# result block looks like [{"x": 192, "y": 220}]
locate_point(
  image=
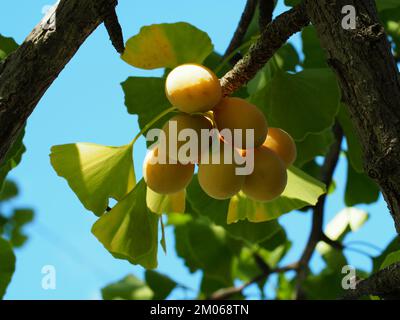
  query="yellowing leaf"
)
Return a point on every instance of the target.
[
  {"x": 160, "y": 203},
  {"x": 167, "y": 45},
  {"x": 95, "y": 172},
  {"x": 130, "y": 230},
  {"x": 301, "y": 190}
]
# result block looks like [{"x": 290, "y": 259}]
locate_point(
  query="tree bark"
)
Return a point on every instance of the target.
[
  {"x": 29, "y": 71},
  {"x": 368, "y": 76}
]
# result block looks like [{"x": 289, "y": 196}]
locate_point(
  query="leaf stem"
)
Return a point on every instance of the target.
[{"x": 152, "y": 122}]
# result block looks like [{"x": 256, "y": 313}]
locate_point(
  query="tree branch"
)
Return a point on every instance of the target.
[
  {"x": 385, "y": 283},
  {"x": 227, "y": 293},
  {"x": 317, "y": 233},
  {"x": 266, "y": 13},
  {"x": 242, "y": 27},
  {"x": 272, "y": 38},
  {"x": 114, "y": 30},
  {"x": 27, "y": 73},
  {"x": 363, "y": 62}
]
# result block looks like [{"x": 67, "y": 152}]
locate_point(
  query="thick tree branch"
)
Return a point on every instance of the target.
[
  {"x": 242, "y": 27},
  {"x": 317, "y": 233},
  {"x": 368, "y": 76},
  {"x": 272, "y": 38},
  {"x": 29, "y": 71},
  {"x": 385, "y": 284}
]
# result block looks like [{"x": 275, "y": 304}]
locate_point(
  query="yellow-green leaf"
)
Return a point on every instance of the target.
[
  {"x": 161, "y": 203},
  {"x": 167, "y": 45},
  {"x": 130, "y": 230},
  {"x": 301, "y": 190},
  {"x": 94, "y": 172}
]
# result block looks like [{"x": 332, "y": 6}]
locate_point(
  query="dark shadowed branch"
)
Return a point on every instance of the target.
[
  {"x": 272, "y": 38},
  {"x": 242, "y": 27},
  {"x": 317, "y": 234}
]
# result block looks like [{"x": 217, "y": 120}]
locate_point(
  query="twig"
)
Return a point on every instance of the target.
[
  {"x": 317, "y": 234},
  {"x": 242, "y": 27},
  {"x": 266, "y": 12},
  {"x": 272, "y": 38},
  {"x": 226, "y": 293},
  {"x": 384, "y": 283},
  {"x": 114, "y": 30}
]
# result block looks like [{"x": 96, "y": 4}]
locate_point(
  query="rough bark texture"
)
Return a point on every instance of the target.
[
  {"x": 385, "y": 284},
  {"x": 272, "y": 38},
  {"x": 368, "y": 76},
  {"x": 28, "y": 72}
]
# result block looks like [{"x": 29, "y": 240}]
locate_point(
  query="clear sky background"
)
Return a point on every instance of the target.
[{"x": 86, "y": 104}]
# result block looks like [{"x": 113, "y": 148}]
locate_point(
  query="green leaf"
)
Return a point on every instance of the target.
[
  {"x": 94, "y": 172},
  {"x": 347, "y": 220},
  {"x": 310, "y": 92},
  {"x": 20, "y": 218},
  {"x": 285, "y": 288},
  {"x": 160, "y": 284},
  {"x": 325, "y": 286},
  {"x": 393, "y": 246},
  {"x": 314, "y": 56},
  {"x": 391, "y": 258},
  {"x": 146, "y": 98},
  {"x": 7, "y": 265},
  {"x": 10, "y": 190},
  {"x": 216, "y": 211},
  {"x": 312, "y": 146},
  {"x": 292, "y": 3},
  {"x": 7, "y": 45},
  {"x": 130, "y": 231},
  {"x": 360, "y": 188},
  {"x": 387, "y": 4},
  {"x": 129, "y": 288},
  {"x": 302, "y": 190},
  {"x": 161, "y": 203},
  {"x": 167, "y": 45},
  {"x": 354, "y": 152},
  {"x": 12, "y": 159},
  {"x": 206, "y": 246}
]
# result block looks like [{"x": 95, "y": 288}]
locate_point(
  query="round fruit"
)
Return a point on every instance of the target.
[
  {"x": 166, "y": 178},
  {"x": 236, "y": 113},
  {"x": 193, "y": 88},
  {"x": 219, "y": 180},
  {"x": 184, "y": 121},
  {"x": 282, "y": 144},
  {"x": 269, "y": 177}
]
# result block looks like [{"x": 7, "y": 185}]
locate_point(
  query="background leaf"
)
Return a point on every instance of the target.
[
  {"x": 310, "y": 92},
  {"x": 7, "y": 265},
  {"x": 128, "y": 288}
]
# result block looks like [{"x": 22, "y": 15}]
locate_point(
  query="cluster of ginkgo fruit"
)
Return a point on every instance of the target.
[{"x": 196, "y": 92}]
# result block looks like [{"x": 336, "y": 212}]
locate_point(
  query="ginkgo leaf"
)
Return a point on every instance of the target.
[
  {"x": 130, "y": 230},
  {"x": 311, "y": 98},
  {"x": 161, "y": 203},
  {"x": 391, "y": 258},
  {"x": 7, "y": 265},
  {"x": 128, "y": 288},
  {"x": 94, "y": 172},
  {"x": 167, "y": 45},
  {"x": 302, "y": 190}
]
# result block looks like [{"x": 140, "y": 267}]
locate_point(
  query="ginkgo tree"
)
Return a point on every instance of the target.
[{"x": 312, "y": 92}]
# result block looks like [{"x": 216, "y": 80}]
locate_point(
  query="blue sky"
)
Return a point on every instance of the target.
[{"x": 86, "y": 104}]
